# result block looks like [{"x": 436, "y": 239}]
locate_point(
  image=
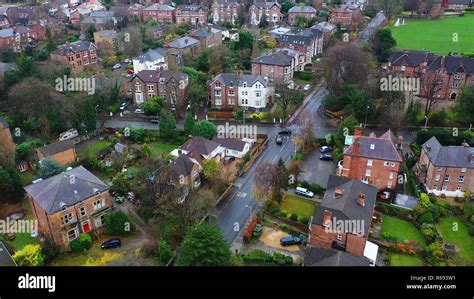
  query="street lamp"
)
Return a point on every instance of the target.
[
  {"x": 250, "y": 210},
  {"x": 426, "y": 122}
]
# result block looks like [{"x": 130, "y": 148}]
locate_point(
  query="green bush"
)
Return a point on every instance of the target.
[
  {"x": 30, "y": 255},
  {"x": 304, "y": 75},
  {"x": 294, "y": 217},
  {"x": 426, "y": 218},
  {"x": 81, "y": 244},
  {"x": 117, "y": 224}
]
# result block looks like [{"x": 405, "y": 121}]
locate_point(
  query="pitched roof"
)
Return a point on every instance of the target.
[
  {"x": 228, "y": 78},
  {"x": 191, "y": 7},
  {"x": 65, "y": 189},
  {"x": 75, "y": 47},
  {"x": 345, "y": 206},
  {"x": 316, "y": 256},
  {"x": 8, "y": 32},
  {"x": 452, "y": 64},
  {"x": 448, "y": 156},
  {"x": 266, "y": 4},
  {"x": 183, "y": 165},
  {"x": 302, "y": 9},
  {"x": 183, "y": 42},
  {"x": 230, "y": 143},
  {"x": 410, "y": 58},
  {"x": 197, "y": 147},
  {"x": 294, "y": 39},
  {"x": 154, "y": 76},
  {"x": 274, "y": 58},
  {"x": 57, "y": 147},
  {"x": 6, "y": 259},
  {"x": 157, "y": 6},
  {"x": 206, "y": 31},
  {"x": 151, "y": 55},
  {"x": 4, "y": 123},
  {"x": 381, "y": 148}
]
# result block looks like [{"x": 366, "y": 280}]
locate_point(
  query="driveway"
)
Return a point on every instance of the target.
[
  {"x": 315, "y": 170},
  {"x": 145, "y": 236}
]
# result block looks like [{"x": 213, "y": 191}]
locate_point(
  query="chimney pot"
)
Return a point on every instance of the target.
[
  {"x": 361, "y": 199},
  {"x": 338, "y": 193},
  {"x": 357, "y": 132},
  {"x": 327, "y": 218}
]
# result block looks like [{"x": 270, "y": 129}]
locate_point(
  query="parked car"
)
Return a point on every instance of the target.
[
  {"x": 112, "y": 243},
  {"x": 279, "y": 140},
  {"x": 229, "y": 159},
  {"x": 304, "y": 192},
  {"x": 139, "y": 111},
  {"x": 71, "y": 133},
  {"x": 110, "y": 130},
  {"x": 116, "y": 66},
  {"x": 325, "y": 149},
  {"x": 130, "y": 72},
  {"x": 384, "y": 195},
  {"x": 127, "y": 61},
  {"x": 326, "y": 157},
  {"x": 123, "y": 106},
  {"x": 409, "y": 155},
  {"x": 285, "y": 131},
  {"x": 119, "y": 199},
  {"x": 290, "y": 240},
  {"x": 306, "y": 87},
  {"x": 154, "y": 121}
]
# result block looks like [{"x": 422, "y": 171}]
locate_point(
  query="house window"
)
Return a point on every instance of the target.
[
  {"x": 464, "y": 169},
  {"x": 258, "y": 94},
  {"x": 231, "y": 101},
  {"x": 392, "y": 164},
  {"x": 245, "y": 84},
  {"x": 99, "y": 221},
  {"x": 446, "y": 178},
  {"x": 218, "y": 84},
  {"x": 368, "y": 172},
  {"x": 72, "y": 234},
  {"x": 403, "y": 68},
  {"x": 390, "y": 175},
  {"x": 218, "y": 100},
  {"x": 98, "y": 204},
  {"x": 231, "y": 92},
  {"x": 82, "y": 211},
  {"x": 66, "y": 219},
  {"x": 435, "y": 186},
  {"x": 258, "y": 86},
  {"x": 444, "y": 188},
  {"x": 151, "y": 87},
  {"x": 386, "y": 163},
  {"x": 461, "y": 179},
  {"x": 437, "y": 177},
  {"x": 458, "y": 188},
  {"x": 339, "y": 237},
  {"x": 439, "y": 169},
  {"x": 369, "y": 162}
]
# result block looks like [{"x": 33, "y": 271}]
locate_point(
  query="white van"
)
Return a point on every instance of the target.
[
  {"x": 71, "y": 133},
  {"x": 304, "y": 192}
]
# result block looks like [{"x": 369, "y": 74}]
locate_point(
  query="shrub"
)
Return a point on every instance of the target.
[
  {"x": 426, "y": 218},
  {"x": 165, "y": 253},
  {"x": 294, "y": 217},
  {"x": 50, "y": 250},
  {"x": 117, "y": 224},
  {"x": 81, "y": 244},
  {"x": 30, "y": 255},
  {"x": 471, "y": 231},
  {"x": 472, "y": 219}
]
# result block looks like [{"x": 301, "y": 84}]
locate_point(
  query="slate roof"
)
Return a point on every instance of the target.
[
  {"x": 448, "y": 156},
  {"x": 266, "y": 4},
  {"x": 204, "y": 32},
  {"x": 75, "y": 47},
  {"x": 6, "y": 259},
  {"x": 293, "y": 39},
  {"x": 309, "y": 32},
  {"x": 153, "y": 76},
  {"x": 452, "y": 64},
  {"x": 381, "y": 148},
  {"x": 225, "y": 3},
  {"x": 197, "y": 147},
  {"x": 230, "y": 143},
  {"x": 57, "y": 147},
  {"x": 67, "y": 188},
  {"x": 227, "y": 78},
  {"x": 302, "y": 9},
  {"x": 107, "y": 33},
  {"x": 410, "y": 58},
  {"x": 316, "y": 256},
  {"x": 152, "y": 55},
  {"x": 274, "y": 58},
  {"x": 183, "y": 42},
  {"x": 6, "y": 32},
  {"x": 182, "y": 165},
  {"x": 4, "y": 123},
  {"x": 345, "y": 207},
  {"x": 191, "y": 7},
  {"x": 160, "y": 7}
]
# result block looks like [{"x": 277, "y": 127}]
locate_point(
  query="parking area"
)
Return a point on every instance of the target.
[{"x": 315, "y": 170}]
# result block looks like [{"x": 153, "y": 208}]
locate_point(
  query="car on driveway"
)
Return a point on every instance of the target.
[
  {"x": 304, "y": 192},
  {"x": 325, "y": 157},
  {"x": 306, "y": 87},
  {"x": 123, "y": 106},
  {"x": 285, "y": 131},
  {"x": 325, "y": 149},
  {"x": 279, "y": 140},
  {"x": 384, "y": 195},
  {"x": 228, "y": 159},
  {"x": 117, "y": 66},
  {"x": 139, "y": 111},
  {"x": 290, "y": 240},
  {"x": 112, "y": 243}
]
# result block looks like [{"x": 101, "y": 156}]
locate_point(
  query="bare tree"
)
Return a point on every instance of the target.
[
  {"x": 393, "y": 104},
  {"x": 295, "y": 169},
  {"x": 304, "y": 137},
  {"x": 430, "y": 87},
  {"x": 269, "y": 179}
]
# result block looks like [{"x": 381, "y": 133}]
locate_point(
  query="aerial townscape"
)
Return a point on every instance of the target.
[{"x": 302, "y": 133}]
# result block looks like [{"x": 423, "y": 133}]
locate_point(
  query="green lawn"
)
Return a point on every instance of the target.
[
  {"x": 297, "y": 205},
  {"x": 397, "y": 259},
  {"x": 460, "y": 237},
  {"x": 97, "y": 147},
  {"x": 402, "y": 230},
  {"x": 436, "y": 35},
  {"x": 21, "y": 240},
  {"x": 162, "y": 147}
]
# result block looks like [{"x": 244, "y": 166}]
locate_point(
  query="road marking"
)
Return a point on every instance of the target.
[{"x": 242, "y": 194}]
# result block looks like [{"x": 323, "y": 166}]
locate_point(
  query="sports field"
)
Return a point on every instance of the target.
[{"x": 437, "y": 36}]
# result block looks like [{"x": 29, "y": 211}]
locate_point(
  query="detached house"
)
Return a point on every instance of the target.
[
  {"x": 279, "y": 64},
  {"x": 192, "y": 14},
  {"x": 308, "y": 41},
  {"x": 171, "y": 86},
  {"x": 160, "y": 13},
  {"x": 182, "y": 171},
  {"x": 271, "y": 10},
  {"x": 184, "y": 44},
  {"x": 372, "y": 160},
  {"x": 77, "y": 54},
  {"x": 68, "y": 204},
  {"x": 155, "y": 59},
  {"x": 410, "y": 63},
  {"x": 232, "y": 90},
  {"x": 307, "y": 12},
  {"x": 63, "y": 151},
  {"x": 225, "y": 11},
  {"x": 446, "y": 170},
  {"x": 208, "y": 36},
  {"x": 347, "y": 16},
  {"x": 199, "y": 149},
  {"x": 343, "y": 218},
  {"x": 107, "y": 40}
]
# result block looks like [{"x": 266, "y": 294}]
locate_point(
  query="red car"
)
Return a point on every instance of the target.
[
  {"x": 384, "y": 195},
  {"x": 130, "y": 72}
]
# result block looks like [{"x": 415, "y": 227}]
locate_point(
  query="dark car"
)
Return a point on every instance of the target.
[
  {"x": 285, "y": 131},
  {"x": 409, "y": 155},
  {"x": 110, "y": 130},
  {"x": 287, "y": 241},
  {"x": 326, "y": 157},
  {"x": 279, "y": 140},
  {"x": 112, "y": 243},
  {"x": 325, "y": 149}
]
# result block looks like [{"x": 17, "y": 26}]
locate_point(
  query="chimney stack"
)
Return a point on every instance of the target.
[
  {"x": 327, "y": 218},
  {"x": 68, "y": 44},
  {"x": 465, "y": 144},
  {"x": 471, "y": 157},
  {"x": 357, "y": 132},
  {"x": 361, "y": 199},
  {"x": 338, "y": 193}
]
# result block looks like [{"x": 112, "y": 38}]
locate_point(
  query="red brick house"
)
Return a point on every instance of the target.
[
  {"x": 135, "y": 11},
  {"x": 343, "y": 218},
  {"x": 410, "y": 63},
  {"x": 192, "y": 14},
  {"x": 373, "y": 160},
  {"x": 170, "y": 85},
  {"x": 68, "y": 204},
  {"x": 446, "y": 170},
  {"x": 309, "y": 41},
  {"x": 279, "y": 64},
  {"x": 345, "y": 16},
  {"x": 307, "y": 12},
  {"x": 6, "y": 139},
  {"x": 225, "y": 11},
  {"x": 208, "y": 36},
  {"x": 270, "y": 9},
  {"x": 160, "y": 13},
  {"x": 18, "y": 38},
  {"x": 78, "y": 54}
]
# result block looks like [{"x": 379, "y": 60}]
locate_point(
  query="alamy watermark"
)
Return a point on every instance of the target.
[
  {"x": 75, "y": 84},
  {"x": 12, "y": 226},
  {"x": 237, "y": 131},
  {"x": 340, "y": 226},
  {"x": 391, "y": 83}
]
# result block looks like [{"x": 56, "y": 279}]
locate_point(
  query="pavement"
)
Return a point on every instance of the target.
[{"x": 315, "y": 170}]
